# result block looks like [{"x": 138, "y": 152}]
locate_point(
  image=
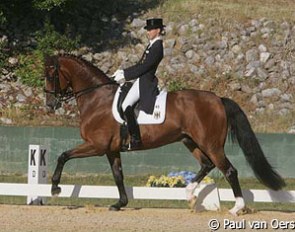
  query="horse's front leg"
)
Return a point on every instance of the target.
[
  {"x": 115, "y": 162},
  {"x": 62, "y": 159},
  {"x": 84, "y": 150}
]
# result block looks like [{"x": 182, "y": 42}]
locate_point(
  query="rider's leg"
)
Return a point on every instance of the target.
[
  {"x": 133, "y": 128},
  {"x": 132, "y": 96}
]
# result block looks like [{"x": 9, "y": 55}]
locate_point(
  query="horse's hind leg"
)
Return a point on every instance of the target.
[
  {"x": 205, "y": 162},
  {"x": 115, "y": 162},
  {"x": 206, "y": 166},
  {"x": 231, "y": 175}
]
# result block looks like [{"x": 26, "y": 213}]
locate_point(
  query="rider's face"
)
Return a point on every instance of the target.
[{"x": 153, "y": 33}]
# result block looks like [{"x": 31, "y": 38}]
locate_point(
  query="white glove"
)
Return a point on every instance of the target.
[
  {"x": 119, "y": 76},
  {"x": 117, "y": 72}
]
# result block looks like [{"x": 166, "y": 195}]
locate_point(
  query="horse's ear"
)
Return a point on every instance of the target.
[
  {"x": 46, "y": 58},
  {"x": 49, "y": 60}
]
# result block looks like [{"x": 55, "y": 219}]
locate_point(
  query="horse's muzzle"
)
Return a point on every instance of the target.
[{"x": 52, "y": 103}]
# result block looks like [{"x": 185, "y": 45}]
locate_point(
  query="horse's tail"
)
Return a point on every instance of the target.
[{"x": 241, "y": 130}]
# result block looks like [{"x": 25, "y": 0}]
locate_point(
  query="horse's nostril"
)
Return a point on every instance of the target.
[
  {"x": 52, "y": 103},
  {"x": 57, "y": 105}
]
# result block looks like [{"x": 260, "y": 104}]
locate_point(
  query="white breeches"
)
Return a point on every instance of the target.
[{"x": 132, "y": 96}]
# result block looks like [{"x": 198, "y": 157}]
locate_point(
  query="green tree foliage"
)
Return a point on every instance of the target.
[
  {"x": 48, "y": 4},
  {"x": 30, "y": 69},
  {"x": 3, "y": 54},
  {"x": 2, "y": 17},
  {"x": 49, "y": 40}
]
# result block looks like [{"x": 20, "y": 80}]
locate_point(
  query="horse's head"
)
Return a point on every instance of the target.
[
  {"x": 57, "y": 86},
  {"x": 70, "y": 77}
]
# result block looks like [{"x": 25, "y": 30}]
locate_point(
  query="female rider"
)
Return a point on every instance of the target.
[{"x": 145, "y": 86}]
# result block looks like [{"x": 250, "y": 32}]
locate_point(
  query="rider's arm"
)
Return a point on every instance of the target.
[{"x": 151, "y": 62}]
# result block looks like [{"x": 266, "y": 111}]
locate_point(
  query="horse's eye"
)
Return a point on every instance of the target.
[{"x": 50, "y": 74}]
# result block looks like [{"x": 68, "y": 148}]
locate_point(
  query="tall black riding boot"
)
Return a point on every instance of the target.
[{"x": 133, "y": 128}]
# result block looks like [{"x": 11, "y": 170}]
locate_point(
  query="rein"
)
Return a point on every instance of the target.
[
  {"x": 92, "y": 88},
  {"x": 68, "y": 95}
]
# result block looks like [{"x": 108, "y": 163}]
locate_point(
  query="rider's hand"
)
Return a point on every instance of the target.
[
  {"x": 117, "y": 72},
  {"x": 119, "y": 76}
]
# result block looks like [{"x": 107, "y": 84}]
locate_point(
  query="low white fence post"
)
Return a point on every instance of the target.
[{"x": 37, "y": 170}]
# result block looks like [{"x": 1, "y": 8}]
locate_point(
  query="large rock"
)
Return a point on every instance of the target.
[{"x": 271, "y": 92}]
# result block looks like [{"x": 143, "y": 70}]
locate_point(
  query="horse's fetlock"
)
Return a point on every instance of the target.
[
  {"x": 231, "y": 171},
  {"x": 55, "y": 180},
  {"x": 63, "y": 158}
]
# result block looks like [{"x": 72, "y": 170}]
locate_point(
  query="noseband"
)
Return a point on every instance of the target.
[
  {"x": 60, "y": 94},
  {"x": 66, "y": 94}
]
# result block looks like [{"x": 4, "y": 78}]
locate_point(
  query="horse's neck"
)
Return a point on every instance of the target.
[{"x": 82, "y": 78}]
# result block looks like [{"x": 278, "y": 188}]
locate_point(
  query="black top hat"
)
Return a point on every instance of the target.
[{"x": 154, "y": 23}]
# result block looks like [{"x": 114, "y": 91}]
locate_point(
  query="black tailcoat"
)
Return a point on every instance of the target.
[{"x": 145, "y": 70}]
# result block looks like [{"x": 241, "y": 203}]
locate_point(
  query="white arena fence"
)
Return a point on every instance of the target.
[{"x": 208, "y": 195}]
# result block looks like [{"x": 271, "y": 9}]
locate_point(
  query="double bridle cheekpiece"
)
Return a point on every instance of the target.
[{"x": 67, "y": 94}]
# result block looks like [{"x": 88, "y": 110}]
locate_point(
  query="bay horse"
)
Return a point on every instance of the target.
[{"x": 200, "y": 119}]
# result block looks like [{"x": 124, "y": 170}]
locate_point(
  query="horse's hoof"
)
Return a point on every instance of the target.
[
  {"x": 189, "y": 190},
  {"x": 118, "y": 205},
  {"x": 55, "y": 191},
  {"x": 192, "y": 204},
  {"x": 114, "y": 208}
]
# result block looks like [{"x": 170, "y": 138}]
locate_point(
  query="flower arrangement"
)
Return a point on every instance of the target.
[
  {"x": 175, "y": 179},
  {"x": 208, "y": 180},
  {"x": 189, "y": 176},
  {"x": 166, "y": 181}
]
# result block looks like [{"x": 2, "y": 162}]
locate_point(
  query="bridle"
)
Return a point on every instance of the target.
[{"x": 67, "y": 94}]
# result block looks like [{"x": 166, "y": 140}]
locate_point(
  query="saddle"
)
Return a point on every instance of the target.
[{"x": 159, "y": 113}]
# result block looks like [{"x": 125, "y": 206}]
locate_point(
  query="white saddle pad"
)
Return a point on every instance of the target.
[{"x": 157, "y": 117}]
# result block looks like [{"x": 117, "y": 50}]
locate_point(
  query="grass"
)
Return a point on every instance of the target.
[
  {"x": 246, "y": 183},
  {"x": 227, "y": 10},
  {"x": 267, "y": 123},
  {"x": 29, "y": 115},
  {"x": 261, "y": 123}
]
